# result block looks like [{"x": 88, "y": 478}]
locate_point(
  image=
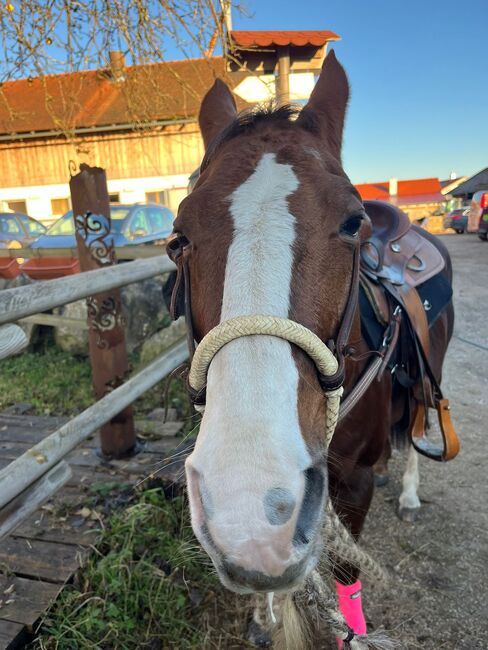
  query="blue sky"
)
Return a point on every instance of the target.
[{"x": 418, "y": 71}]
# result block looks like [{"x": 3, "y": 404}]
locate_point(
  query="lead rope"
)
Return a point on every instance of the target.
[{"x": 339, "y": 541}]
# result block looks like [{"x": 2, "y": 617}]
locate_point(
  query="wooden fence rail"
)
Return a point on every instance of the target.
[
  {"x": 12, "y": 340},
  {"x": 24, "y": 301},
  {"x": 30, "y": 499},
  {"x": 123, "y": 252}
]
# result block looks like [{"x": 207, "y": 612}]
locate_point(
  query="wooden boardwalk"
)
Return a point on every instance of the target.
[{"x": 43, "y": 553}]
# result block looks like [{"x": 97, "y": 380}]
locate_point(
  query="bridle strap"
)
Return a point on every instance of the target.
[
  {"x": 339, "y": 347},
  {"x": 178, "y": 251}
]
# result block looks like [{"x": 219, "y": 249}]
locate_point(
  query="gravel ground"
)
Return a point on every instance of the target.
[{"x": 437, "y": 595}]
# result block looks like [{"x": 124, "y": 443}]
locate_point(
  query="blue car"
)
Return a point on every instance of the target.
[{"x": 131, "y": 225}]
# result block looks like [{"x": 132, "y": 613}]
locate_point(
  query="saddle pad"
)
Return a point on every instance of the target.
[{"x": 435, "y": 293}]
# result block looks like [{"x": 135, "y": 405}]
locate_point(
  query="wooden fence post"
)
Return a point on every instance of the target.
[{"x": 106, "y": 337}]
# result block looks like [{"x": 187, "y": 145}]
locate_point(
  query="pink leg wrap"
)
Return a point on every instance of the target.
[{"x": 351, "y": 607}]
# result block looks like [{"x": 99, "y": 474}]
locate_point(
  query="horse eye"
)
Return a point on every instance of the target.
[{"x": 351, "y": 226}]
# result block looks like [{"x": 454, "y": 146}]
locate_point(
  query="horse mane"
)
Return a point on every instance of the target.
[{"x": 267, "y": 113}]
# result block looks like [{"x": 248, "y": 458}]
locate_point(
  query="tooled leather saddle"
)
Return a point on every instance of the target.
[{"x": 401, "y": 271}]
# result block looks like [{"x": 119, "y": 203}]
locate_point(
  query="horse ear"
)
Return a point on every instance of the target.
[
  {"x": 218, "y": 109},
  {"x": 328, "y": 103}
]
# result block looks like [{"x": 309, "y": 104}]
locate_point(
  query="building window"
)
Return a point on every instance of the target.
[
  {"x": 60, "y": 207},
  {"x": 160, "y": 197},
  {"x": 17, "y": 206},
  {"x": 114, "y": 197}
]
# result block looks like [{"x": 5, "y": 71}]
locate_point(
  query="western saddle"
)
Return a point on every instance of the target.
[{"x": 396, "y": 259}]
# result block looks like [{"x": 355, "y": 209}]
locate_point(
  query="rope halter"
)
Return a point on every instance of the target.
[{"x": 283, "y": 328}]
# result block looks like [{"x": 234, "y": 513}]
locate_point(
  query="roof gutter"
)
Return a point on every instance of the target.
[{"x": 94, "y": 129}]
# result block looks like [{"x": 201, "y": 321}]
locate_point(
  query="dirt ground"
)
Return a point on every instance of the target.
[{"x": 439, "y": 565}]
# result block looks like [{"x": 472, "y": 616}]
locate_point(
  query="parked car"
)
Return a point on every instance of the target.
[
  {"x": 131, "y": 225},
  {"x": 478, "y": 214},
  {"x": 18, "y": 230},
  {"x": 457, "y": 220}
]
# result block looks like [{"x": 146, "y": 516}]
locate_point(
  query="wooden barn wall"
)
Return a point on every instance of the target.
[{"x": 171, "y": 150}]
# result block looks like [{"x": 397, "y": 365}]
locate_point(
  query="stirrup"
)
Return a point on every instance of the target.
[{"x": 425, "y": 446}]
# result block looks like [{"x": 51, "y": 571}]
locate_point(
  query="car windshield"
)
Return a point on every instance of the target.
[{"x": 65, "y": 225}]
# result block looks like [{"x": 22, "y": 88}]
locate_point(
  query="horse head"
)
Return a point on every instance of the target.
[{"x": 274, "y": 223}]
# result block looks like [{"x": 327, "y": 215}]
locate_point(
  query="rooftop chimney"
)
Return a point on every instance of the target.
[
  {"x": 453, "y": 176},
  {"x": 393, "y": 186},
  {"x": 117, "y": 65}
]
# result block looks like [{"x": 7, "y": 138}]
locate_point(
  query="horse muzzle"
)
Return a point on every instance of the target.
[{"x": 269, "y": 543}]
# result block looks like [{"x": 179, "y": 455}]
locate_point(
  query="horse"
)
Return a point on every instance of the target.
[{"x": 272, "y": 228}]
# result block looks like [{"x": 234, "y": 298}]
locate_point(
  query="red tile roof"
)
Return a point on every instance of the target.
[
  {"x": 373, "y": 191},
  {"x": 154, "y": 92},
  {"x": 419, "y": 186},
  {"x": 421, "y": 190},
  {"x": 267, "y": 38}
]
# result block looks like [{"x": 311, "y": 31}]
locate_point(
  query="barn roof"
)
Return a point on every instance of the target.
[
  {"x": 317, "y": 38},
  {"x": 419, "y": 190},
  {"x": 94, "y": 98}
]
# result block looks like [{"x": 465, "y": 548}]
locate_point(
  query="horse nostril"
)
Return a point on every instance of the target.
[
  {"x": 279, "y": 504},
  {"x": 312, "y": 504},
  {"x": 199, "y": 491}
]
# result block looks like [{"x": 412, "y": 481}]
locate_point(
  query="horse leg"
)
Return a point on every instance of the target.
[
  {"x": 380, "y": 468},
  {"x": 409, "y": 502},
  {"x": 351, "y": 501}
]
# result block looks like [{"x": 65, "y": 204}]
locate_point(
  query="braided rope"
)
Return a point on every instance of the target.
[
  {"x": 341, "y": 543},
  {"x": 282, "y": 328},
  {"x": 250, "y": 326}
]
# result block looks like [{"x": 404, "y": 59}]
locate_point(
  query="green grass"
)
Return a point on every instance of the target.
[
  {"x": 138, "y": 589},
  {"x": 54, "y": 382}
]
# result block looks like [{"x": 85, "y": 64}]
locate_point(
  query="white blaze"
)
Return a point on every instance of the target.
[{"x": 250, "y": 440}]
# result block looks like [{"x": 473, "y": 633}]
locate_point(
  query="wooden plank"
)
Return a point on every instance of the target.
[
  {"x": 9, "y": 632},
  {"x": 28, "y": 428},
  {"x": 12, "y": 450},
  {"x": 84, "y": 477},
  {"x": 131, "y": 154},
  {"x": 134, "y": 252},
  {"x": 39, "y": 559},
  {"x": 18, "y": 302},
  {"x": 29, "y": 599},
  {"x": 46, "y": 526},
  {"x": 12, "y": 340},
  {"x": 36, "y": 461},
  {"x": 55, "y": 321},
  {"x": 31, "y": 253},
  {"x": 33, "y": 497}
]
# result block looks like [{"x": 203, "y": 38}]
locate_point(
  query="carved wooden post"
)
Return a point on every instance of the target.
[{"x": 108, "y": 353}]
